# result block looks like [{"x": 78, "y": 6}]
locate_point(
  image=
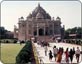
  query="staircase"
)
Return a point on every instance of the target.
[{"x": 45, "y": 38}]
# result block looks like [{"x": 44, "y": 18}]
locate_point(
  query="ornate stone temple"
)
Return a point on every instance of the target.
[{"x": 38, "y": 24}]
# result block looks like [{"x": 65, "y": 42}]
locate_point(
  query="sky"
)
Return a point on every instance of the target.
[{"x": 68, "y": 11}]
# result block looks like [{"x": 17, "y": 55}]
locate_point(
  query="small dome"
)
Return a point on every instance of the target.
[
  {"x": 39, "y": 16},
  {"x": 21, "y": 17},
  {"x": 58, "y": 18}
]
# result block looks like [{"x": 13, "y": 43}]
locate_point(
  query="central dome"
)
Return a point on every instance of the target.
[{"x": 39, "y": 12}]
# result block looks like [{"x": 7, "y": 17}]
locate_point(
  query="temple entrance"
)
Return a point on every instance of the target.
[{"x": 41, "y": 32}]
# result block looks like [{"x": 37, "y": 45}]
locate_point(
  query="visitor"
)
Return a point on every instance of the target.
[
  {"x": 71, "y": 55},
  {"x": 46, "y": 49},
  {"x": 38, "y": 42},
  {"x": 77, "y": 53},
  {"x": 62, "y": 50},
  {"x": 59, "y": 56},
  {"x": 73, "y": 50},
  {"x": 67, "y": 56},
  {"x": 42, "y": 42},
  {"x": 55, "y": 51},
  {"x": 50, "y": 55}
]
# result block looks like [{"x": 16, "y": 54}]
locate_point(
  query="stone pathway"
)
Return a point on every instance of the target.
[{"x": 45, "y": 59}]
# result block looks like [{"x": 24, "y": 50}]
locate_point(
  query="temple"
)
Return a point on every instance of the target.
[{"x": 38, "y": 24}]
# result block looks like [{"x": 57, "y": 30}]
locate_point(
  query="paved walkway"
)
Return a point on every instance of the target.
[{"x": 45, "y": 59}]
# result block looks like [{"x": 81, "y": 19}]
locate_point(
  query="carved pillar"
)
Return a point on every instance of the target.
[{"x": 37, "y": 30}]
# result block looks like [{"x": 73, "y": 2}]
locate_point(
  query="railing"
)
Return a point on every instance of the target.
[
  {"x": 38, "y": 59},
  {"x": 35, "y": 54}
]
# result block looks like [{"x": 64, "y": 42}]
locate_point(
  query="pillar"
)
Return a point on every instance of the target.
[
  {"x": 37, "y": 30},
  {"x": 44, "y": 31}
]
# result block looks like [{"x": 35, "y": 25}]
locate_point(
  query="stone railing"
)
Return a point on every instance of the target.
[
  {"x": 38, "y": 59},
  {"x": 35, "y": 54}
]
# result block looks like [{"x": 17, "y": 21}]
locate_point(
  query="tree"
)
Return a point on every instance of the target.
[
  {"x": 4, "y": 33},
  {"x": 75, "y": 30}
]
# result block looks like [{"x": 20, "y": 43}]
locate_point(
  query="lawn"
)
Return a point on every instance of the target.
[{"x": 9, "y": 52}]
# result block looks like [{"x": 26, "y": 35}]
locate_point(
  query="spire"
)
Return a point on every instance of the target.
[{"x": 38, "y": 4}]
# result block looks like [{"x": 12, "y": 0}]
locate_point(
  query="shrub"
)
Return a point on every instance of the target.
[
  {"x": 22, "y": 42},
  {"x": 7, "y": 41},
  {"x": 0, "y": 41},
  {"x": 25, "y": 55},
  {"x": 15, "y": 41}
]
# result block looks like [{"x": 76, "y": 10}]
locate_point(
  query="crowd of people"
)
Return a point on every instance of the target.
[
  {"x": 57, "y": 53},
  {"x": 69, "y": 54}
]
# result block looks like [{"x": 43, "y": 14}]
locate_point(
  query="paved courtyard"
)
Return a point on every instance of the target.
[{"x": 45, "y": 59}]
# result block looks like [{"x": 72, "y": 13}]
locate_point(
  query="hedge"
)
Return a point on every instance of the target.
[{"x": 26, "y": 54}]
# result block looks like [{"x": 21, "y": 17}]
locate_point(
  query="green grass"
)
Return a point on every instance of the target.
[{"x": 9, "y": 52}]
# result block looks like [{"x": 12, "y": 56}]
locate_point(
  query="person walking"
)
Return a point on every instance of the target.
[
  {"x": 77, "y": 53},
  {"x": 59, "y": 56},
  {"x": 67, "y": 56},
  {"x": 46, "y": 49},
  {"x": 71, "y": 55},
  {"x": 62, "y": 50},
  {"x": 50, "y": 55},
  {"x": 73, "y": 50},
  {"x": 55, "y": 51}
]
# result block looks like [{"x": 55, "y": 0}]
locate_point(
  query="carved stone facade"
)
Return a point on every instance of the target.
[{"x": 38, "y": 24}]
